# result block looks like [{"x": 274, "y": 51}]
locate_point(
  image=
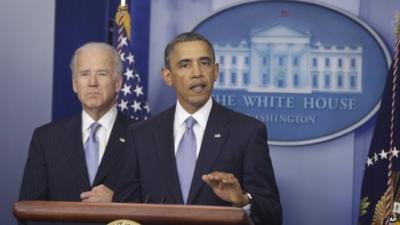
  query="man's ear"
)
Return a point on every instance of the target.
[
  {"x": 118, "y": 83},
  {"x": 216, "y": 72},
  {"x": 167, "y": 76},
  {"x": 74, "y": 85}
]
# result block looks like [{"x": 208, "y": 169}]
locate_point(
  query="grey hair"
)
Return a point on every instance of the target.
[
  {"x": 185, "y": 37},
  {"x": 117, "y": 63}
]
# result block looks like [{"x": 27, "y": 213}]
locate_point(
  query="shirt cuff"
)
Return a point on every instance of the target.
[{"x": 246, "y": 209}]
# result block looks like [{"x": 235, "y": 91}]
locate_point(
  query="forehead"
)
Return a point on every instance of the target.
[
  {"x": 190, "y": 50},
  {"x": 96, "y": 57}
]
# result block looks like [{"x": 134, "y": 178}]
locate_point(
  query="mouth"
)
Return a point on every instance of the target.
[
  {"x": 92, "y": 93},
  {"x": 198, "y": 88}
]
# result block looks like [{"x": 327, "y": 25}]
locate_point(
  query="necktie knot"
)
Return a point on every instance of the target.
[
  {"x": 190, "y": 122},
  {"x": 93, "y": 129}
]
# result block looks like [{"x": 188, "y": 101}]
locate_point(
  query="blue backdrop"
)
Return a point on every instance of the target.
[{"x": 319, "y": 184}]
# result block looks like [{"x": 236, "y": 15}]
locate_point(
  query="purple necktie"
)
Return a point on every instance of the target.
[
  {"x": 92, "y": 152},
  {"x": 186, "y": 157}
]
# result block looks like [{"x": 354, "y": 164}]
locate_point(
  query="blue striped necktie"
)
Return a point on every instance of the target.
[{"x": 92, "y": 152}]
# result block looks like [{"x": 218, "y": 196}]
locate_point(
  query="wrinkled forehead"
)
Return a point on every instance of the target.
[
  {"x": 191, "y": 50},
  {"x": 96, "y": 58}
]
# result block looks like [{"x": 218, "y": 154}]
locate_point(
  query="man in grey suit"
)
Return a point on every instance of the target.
[
  {"x": 84, "y": 158},
  {"x": 198, "y": 151}
]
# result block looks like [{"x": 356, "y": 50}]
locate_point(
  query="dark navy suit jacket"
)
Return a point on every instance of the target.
[
  {"x": 56, "y": 167},
  {"x": 232, "y": 143}
]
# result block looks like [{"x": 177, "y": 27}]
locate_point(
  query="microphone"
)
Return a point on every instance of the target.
[
  {"x": 146, "y": 199},
  {"x": 162, "y": 199}
]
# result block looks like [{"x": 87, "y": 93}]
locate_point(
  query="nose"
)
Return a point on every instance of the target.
[
  {"x": 197, "y": 70},
  {"x": 93, "y": 80}
]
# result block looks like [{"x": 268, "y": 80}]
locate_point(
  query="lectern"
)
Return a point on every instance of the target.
[{"x": 145, "y": 214}]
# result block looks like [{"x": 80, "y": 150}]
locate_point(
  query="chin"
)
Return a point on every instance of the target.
[
  {"x": 93, "y": 105},
  {"x": 199, "y": 104}
]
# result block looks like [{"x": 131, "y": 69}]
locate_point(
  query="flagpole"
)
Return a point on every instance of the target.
[{"x": 389, "y": 194}]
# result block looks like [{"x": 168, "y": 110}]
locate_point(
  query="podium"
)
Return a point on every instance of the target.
[{"x": 145, "y": 214}]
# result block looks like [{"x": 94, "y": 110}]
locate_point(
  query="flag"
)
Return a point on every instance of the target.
[
  {"x": 131, "y": 99},
  {"x": 380, "y": 192}
]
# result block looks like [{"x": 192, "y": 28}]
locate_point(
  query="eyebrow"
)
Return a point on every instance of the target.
[
  {"x": 88, "y": 70},
  {"x": 84, "y": 71},
  {"x": 189, "y": 60},
  {"x": 206, "y": 58},
  {"x": 102, "y": 70},
  {"x": 183, "y": 61}
]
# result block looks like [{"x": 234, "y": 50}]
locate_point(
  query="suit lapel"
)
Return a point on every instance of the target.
[
  {"x": 73, "y": 149},
  {"x": 164, "y": 141},
  {"x": 214, "y": 137},
  {"x": 114, "y": 149}
]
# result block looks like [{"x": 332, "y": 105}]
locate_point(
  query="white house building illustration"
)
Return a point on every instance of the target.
[{"x": 281, "y": 59}]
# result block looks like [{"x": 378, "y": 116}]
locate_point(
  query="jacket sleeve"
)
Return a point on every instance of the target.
[
  {"x": 34, "y": 181},
  {"x": 259, "y": 180}
]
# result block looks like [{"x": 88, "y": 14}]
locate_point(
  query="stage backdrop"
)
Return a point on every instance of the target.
[{"x": 319, "y": 182}]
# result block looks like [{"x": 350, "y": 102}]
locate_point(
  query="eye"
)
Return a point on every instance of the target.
[
  {"x": 184, "y": 65},
  {"x": 102, "y": 73},
  {"x": 205, "y": 62},
  {"x": 84, "y": 74}
]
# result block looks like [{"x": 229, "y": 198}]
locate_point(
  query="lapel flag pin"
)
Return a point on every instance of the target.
[
  {"x": 122, "y": 140},
  {"x": 217, "y": 135}
]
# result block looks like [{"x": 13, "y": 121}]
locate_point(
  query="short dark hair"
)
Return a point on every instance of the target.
[{"x": 185, "y": 37}]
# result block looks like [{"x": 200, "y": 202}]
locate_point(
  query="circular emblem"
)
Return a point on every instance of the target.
[
  {"x": 309, "y": 71},
  {"x": 123, "y": 222}
]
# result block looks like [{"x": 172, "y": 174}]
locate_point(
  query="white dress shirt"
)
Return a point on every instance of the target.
[
  {"x": 201, "y": 117},
  {"x": 103, "y": 133}
]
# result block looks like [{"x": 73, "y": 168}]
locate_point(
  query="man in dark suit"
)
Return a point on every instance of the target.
[
  {"x": 59, "y": 165},
  {"x": 199, "y": 152}
]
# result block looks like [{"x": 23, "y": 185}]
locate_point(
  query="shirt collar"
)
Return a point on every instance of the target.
[
  {"x": 106, "y": 121},
  {"x": 201, "y": 115}
]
